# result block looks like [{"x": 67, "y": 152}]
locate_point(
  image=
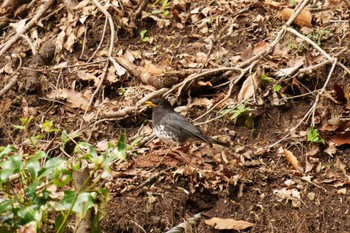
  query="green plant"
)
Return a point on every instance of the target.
[
  {"x": 277, "y": 87},
  {"x": 314, "y": 136},
  {"x": 266, "y": 79},
  {"x": 241, "y": 113},
  {"x": 319, "y": 35},
  {"x": 165, "y": 6},
  {"x": 34, "y": 186},
  {"x": 144, "y": 38}
]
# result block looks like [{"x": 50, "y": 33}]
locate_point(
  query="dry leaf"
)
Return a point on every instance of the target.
[
  {"x": 249, "y": 86},
  {"x": 86, "y": 76},
  {"x": 292, "y": 160},
  {"x": 228, "y": 224},
  {"x": 70, "y": 42},
  {"x": 289, "y": 194},
  {"x": 273, "y": 3},
  {"x": 341, "y": 139},
  {"x": 290, "y": 70},
  {"x": 303, "y": 19},
  {"x": 5, "y": 105},
  {"x": 260, "y": 47},
  {"x": 247, "y": 53},
  {"x": 203, "y": 102},
  {"x": 74, "y": 98},
  {"x": 331, "y": 150}
]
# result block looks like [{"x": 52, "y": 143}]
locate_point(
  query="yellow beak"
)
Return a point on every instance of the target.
[{"x": 151, "y": 103}]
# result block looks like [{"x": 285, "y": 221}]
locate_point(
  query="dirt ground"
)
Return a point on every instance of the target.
[{"x": 274, "y": 176}]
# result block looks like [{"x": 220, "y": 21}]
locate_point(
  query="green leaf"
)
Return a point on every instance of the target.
[
  {"x": 143, "y": 33},
  {"x": 59, "y": 221},
  {"x": 11, "y": 166},
  {"x": 122, "y": 146},
  {"x": 50, "y": 166},
  {"x": 313, "y": 136},
  {"x": 84, "y": 202},
  {"x": 103, "y": 197},
  {"x": 67, "y": 201},
  {"x": 5, "y": 205},
  {"x": 155, "y": 12},
  {"x": 266, "y": 79},
  {"x": 31, "y": 191},
  {"x": 20, "y": 127},
  {"x": 225, "y": 111},
  {"x": 134, "y": 143},
  {"x": 25, "y": 120},
  {"x": 91, "y": 151},
  {"x": 47, "y": 127},
  {"x": 27, "y": 214},
  {"x": 33, "y": 167},
  {"x": 62, "y": 177},
  {"x": 8, "y": 149},
  {"x": 5, "y": 174},
  {"x": 277, "y": 87},
  {"x": 166, "y": 13},
  {"x": 64, "y": 137}
]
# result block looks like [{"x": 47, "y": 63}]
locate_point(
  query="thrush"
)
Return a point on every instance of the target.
[{"x": 174, "y": 129}]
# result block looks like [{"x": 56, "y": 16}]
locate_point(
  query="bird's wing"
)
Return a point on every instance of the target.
[{"x": 180, "y": 122}]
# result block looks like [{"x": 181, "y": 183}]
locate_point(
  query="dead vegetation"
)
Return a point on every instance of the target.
[{"x": 271, "y": 77}]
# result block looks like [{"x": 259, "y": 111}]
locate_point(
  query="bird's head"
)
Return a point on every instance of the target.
[{"x": 159, "y": 102}]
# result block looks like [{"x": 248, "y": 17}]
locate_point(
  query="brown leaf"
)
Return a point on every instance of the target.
[
  {"x": 74, "y": 98},
  {"x": 273, "y": 3},
  {"x": 247, "y": 53},
  {"x": 331, "y": 150},
  {"x": 228, "y": 224},
  {"x": 292, "y": 160},
  {"x": 250, "y": 85},
  {"x": 5, "y": 105},
  {"x": 303, "y": 19},
  {"x": 347, "y": 95},
  {"x": 341, "y": 139}
]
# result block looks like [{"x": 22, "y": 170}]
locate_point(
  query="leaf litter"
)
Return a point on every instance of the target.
[{"x": 157, "y": 187}]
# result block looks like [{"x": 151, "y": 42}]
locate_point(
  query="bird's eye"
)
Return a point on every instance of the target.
[{"x": 160, "y": 104}]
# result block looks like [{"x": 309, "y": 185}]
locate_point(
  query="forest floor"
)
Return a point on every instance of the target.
[{"x": 279, "y": 95}]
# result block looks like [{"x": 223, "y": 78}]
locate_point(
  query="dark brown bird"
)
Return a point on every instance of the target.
[{"x": 174, "y": 129}]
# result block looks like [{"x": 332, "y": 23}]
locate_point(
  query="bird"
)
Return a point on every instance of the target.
[{"x": 174, "y": 129}]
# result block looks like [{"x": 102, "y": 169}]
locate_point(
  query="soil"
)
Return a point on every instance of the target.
[{"x": 159, "y": 187}]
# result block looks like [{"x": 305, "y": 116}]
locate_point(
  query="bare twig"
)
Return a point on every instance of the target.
[
  {"x": 110, "y": 50},
  {"x": 40, "y": 12},
  {"x": 9, "y": 85},
  {"x": 311, "y": 110},
  {"x": 141, "y": 7}
]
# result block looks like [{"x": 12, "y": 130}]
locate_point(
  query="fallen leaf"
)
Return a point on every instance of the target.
[
  {"x": 290, "y": 70},
  {"x": 347, "y": 95},
  {"x": 273, "y": 3},
  {"x": 292, "y": 160},
  {"x": 340, "y": 139},
  {"x": 250, "y": 86},
  {"x": 70, "y": 42},
  {"x": 289, "y": 194},
  {"x": 74, "y": 98},
  {"x": 203, "y": 102},
  {"x": 228, "y": 224},
  {"x": 331, "y": 150},
  {"x": 260, "y": 46},
  {"x": 247, "y": 53},
  {"x": 303, "y": 19},
  {"x": 5, "y": 105}
]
